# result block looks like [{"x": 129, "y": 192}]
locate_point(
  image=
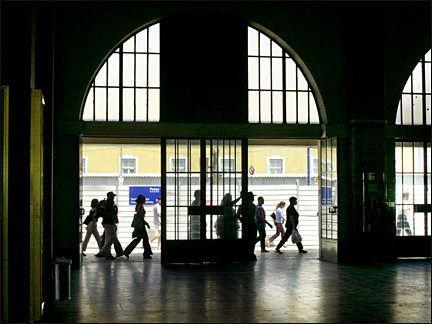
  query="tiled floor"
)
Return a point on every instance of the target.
[{"x": 283, "y": 288}]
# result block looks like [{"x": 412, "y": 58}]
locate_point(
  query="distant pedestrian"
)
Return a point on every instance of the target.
[
  {"x": 140, "y": 232},
  {"x": 278, "y": 222},
  {"x": 261, "y": 222},
  {"x": 157, "y": 210},
  {"x": 91, "y": 222},
  {"x": 291, "y": 224},
  {"x": 109, "y": 212},
  {"x": 249, "y": 227}
]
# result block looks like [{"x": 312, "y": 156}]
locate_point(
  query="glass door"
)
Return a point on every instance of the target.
[
  {"x": 329, "y": 199},
  {"x": 201, "y": 184}
]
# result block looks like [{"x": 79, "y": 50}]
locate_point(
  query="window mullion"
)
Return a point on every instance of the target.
[{"x": 121, "y": 83}]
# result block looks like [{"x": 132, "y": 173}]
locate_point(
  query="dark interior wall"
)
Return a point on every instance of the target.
[{"x": 15, "y": 40}]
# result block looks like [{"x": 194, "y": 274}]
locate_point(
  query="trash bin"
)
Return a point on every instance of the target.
[{"x": 62, "y": 278}]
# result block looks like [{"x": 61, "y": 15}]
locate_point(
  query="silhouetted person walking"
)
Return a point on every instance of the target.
[
  {"x": 249, "y": 228},
  {"x": 291, "y": 224},
  {"x": 261, "y": 223}
]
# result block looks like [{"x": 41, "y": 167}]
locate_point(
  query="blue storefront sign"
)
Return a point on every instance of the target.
[
  {"x": 150, "y": 192},
  {"x": 326, "y": 195}
]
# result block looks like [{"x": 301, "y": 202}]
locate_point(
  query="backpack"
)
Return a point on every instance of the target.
[{"x": 98, "y": 207}]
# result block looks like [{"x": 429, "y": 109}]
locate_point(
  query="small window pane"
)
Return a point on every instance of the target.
[
  {"x": 101, "y": 76},
  {"x": 265, "y": 106},
  {"x": 428, "y": 77},
  {"x": 428, "y": 109},
  {"x": 154, "y": 104},
  {"x": 291, "y": 111},
  {"x": 418, "y": 110},
  {"x": 154, "y": 70},
  {"x": 302, "y": 83},
  {"x": 129, "y": 46},
  {"x": 398, "y": 114},
  {"x": 264, "y": 45},
  {"x": 128, "y": 70},
  {"x": 113, "y": 70},
  {"x": 88, "y": 108},
  {"x": 417, "y": 78},
  {"x": 253, "y": 107},
  {"x": 407, "y": 88},
  {"x": 154, "y": 39},
  {"x": 277, "y": 74},
  {"x": 100, "y": 104},
  {"x": 252, "y": 41},
  {"x": 141, "y": 41},
  {"x": 303, "y": 107},
  {"x": 276, "y": 50},
  {"x": 128, "y": 104},
  {"x": 291, "y": 77},
  {"x": 277, "y": 107},
  {"x": 141, "y": 104},
  {"x": 265, "y": 74},
  {"x": 428, "y": 56},
  {"x": 253, "y": 77},
  {"x": 398, "y": 157},
  {"x": 314, "y": 117},
  {"x": 406, "y": 109},
  {"x": 113, "y": 104},
  {"x": 418, "y": 157},
  {"x": 141, "y": 70}
]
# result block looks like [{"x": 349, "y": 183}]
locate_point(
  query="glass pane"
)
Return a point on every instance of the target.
[
  {"x": 113, "y": 70},
  {"x": 407, "y": 157},
  {"x": 128, "y": 104},
  {"x": 100, "y": 79},
  {"x": 302, "y": 83},
  {"x": 253, "y": 76},
  {"x": 428, "y": 109},
  {"x": 252, "y": 41},
  {"x": 303, "y": 107},
  {"x": 276, "y": 49},
  {"x": 88, "y": 108},
  {"x": 407, "y": 88},
  {"x": 291, "y": 76},
  {"x": 428, "y": 217},
  {"x": 129, "y": 46},
  {"x": 428, "y": 56},
  {"x": 277, "y": 107},
  {"x": 398, "y": 114},
  {"x": 154, "y": 105},
  {"x": 314, "y": 117},
  {"x": 428, "y": 77},
  {"x": 154, "y": 40},
  {"x": 265, "y": 105},
  {"x": 406, "y": 110},
  {"x": 418, "y": 157},
  {"x": 141, "y": 70},
  {"x": 141, "y": 104},
  {"x": 265, "y": 74},
  {"x": 264, "y": 45},
  {"x": 113, "y": 104},
  {"x": 398, "y": 156},
  {"x": 100, "y": 103},
  {"x": 418, "y": 110},
  {"x": 128, "y": 70},
  {"x": 141, "y": 41},
  {"x": 277, "y": 71},
  {"x": 253, "y": 107},
  {"x": 154, "y": 70},
  {"x": 419, "y": 192},
  {"x": 417, "y": 78},
  {"x": 291, "y": 107}
]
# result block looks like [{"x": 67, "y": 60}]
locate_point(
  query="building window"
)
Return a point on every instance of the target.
[
  {"x": 84, "y": 165},
  {"x": 415, "y": 104},
  {"x": 276, "y": 165},
  {"x": 179, "y": 164},
  {"x": 129, "y": 164},
  {"x": 227, "y": 164},
  {"x": 278, "y": 91},
  {"x": 127, "y": 86}
]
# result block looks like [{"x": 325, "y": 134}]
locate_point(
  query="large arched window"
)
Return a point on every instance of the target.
[
  {"x": 278, "y": 91},
  {"x": 415, "y": 104},
  {"x": 127, "y": 86}
]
